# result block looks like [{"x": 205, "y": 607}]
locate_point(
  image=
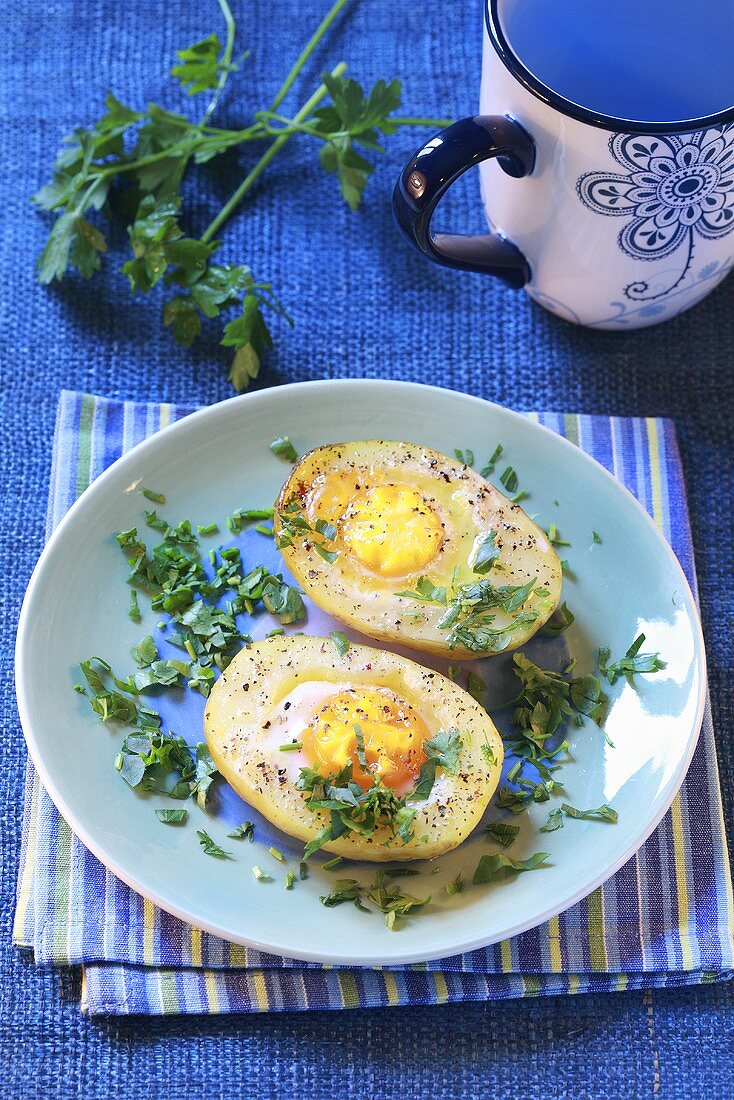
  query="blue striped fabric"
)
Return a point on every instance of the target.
[{"x": 660, "y": 921}]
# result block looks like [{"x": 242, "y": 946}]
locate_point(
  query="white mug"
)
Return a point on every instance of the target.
[{"x": 608, "y": 222}]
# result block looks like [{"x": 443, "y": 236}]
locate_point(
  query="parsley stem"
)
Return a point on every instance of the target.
[
  {"x": 438, "y": 123},
  {"x": 307, "y": 50},
  {"x": 226, "y": 62},
  {"x": 266, "y": 158}
]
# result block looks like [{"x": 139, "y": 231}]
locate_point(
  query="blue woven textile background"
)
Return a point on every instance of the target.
[{"x": 363, "y": 306}]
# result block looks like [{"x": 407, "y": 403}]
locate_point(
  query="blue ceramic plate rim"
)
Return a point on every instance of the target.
[{"x": 402, "y": 953}]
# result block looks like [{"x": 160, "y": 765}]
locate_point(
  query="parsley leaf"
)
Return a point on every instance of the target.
[
  {"x": 456, "y": 886},
  {"x": 466, "y": 458},
  {"x": 134, "y": 609},
  {"x": 391, "y": 900},
  {"x": 509, "y": 479},
  {"x": 283, "y": 447},
  {"x": 341, "y": 642},
  {"x": 492, "y": 868},
  {"x": 172, "y": 817},
  {"x": 632, "y": 662},
  {"x": 486, "y": 554},
  {"x": 344, "y": 890},
  {"x": 442, "y": 751},
  {"x": 245, "y": 831},
  {"x": 477, "y": 688},
  {"x": 151, "y": 759},
  {"x": 353, "y": 119},
  {"x": 502, "y": 833},
  {"x": 210, "y": 847},
  {"x": 201, "y": 65},
  {"x": 496, "y": 454},
  {"x": 554, "y": 821},
  {"x": 425, "y": 591},
  {"x": 105, "y": 702},
  {"x": 602, "y": 813},
  {"x": 556, "y": 625}
]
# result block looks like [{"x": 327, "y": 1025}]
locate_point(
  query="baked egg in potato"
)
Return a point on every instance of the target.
[
  {"x": 409, "y": 546},
  {"x": 357, "y": 751}
]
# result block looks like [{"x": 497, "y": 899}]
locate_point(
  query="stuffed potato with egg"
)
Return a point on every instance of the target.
[
  {"x": 407, "y": 545},
  {"x": 295, "y": 706}
]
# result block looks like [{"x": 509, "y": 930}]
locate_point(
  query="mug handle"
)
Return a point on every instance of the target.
[{"x": 431, "y": 171}]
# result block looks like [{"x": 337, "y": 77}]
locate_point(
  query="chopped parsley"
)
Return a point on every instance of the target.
[
  {"x": 554, "y": 538},
  {"x": 210, "y": 847},
  {"x": 492, "y": 461},
  {"x": 344, "y": 890},
  {"x": 245, "y": 831},
  {"x": 546, "y": 700},
  {"x": 157, "y": 498},
  {"x": 602, "y": 813},
  {"x": 294, "y": 524},
  {"x": 425, "y": 591},
  {"x": 511, "y": 483},
  {"x": 341, "y": 642},
  {"x": 477, "y": 688},
  {"x": 104, "y": 701},
  {"x": 390, "y": 900},
  {"x": 442, "y": 751},
  {"x": 561, "y": 621},
  {"x": 241, "y": 516},
  {"x": 495, "y": 866},
  {"x": 134, "y": 609},
  {"x": 502, "y": 833},
  {"x": 554, "y": 821},
  {"x": 456, "y": 886},
  {"x": 632, "y": 662},
  {"x": 471, "y": 611},
  {"x": 486, "y": 554},
  {"x": 466, "y": 458},
  {"x": 489, "y": 754},
  {"x": 283, "y": 447},
  {"x": 290, "y": 878},
  {"x": 151, "y": 759},
  {"x": 172, "y": 817},
  {"x": 352, "y": 809},
  {"x": 596, "y": 536}
]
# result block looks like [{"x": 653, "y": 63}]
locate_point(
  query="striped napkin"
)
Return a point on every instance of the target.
[{"x": 665, "y": 919}]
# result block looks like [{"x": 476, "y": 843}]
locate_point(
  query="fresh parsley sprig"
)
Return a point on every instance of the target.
[{"x": 134, "y": 162}]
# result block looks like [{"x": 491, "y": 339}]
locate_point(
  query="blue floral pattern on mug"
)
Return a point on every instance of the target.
[{"x": 674, "y": 187}]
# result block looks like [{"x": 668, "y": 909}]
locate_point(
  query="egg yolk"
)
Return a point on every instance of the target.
[
  {"x": 393, "y": 735},
  {"x": 391, "y": 530}
]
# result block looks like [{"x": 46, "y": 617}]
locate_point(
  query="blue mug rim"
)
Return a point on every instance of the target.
[{"x": 558, "y": 102}]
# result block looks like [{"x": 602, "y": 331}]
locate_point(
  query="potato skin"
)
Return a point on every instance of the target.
[
  {"x": 468, "y": 506},
  {"x": 237, "y": 718}
]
